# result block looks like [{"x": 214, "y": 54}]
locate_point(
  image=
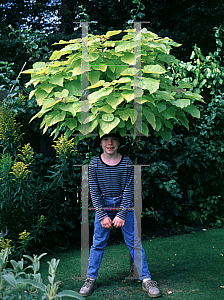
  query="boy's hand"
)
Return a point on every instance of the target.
[
  {"x": 106, "y": 223},
  {"x": 118, "y": 222}
]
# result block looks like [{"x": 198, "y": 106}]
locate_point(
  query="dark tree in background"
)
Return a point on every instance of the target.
[
  {"x": 188, "y": 22},
  {"x": 40, "y": 14}
]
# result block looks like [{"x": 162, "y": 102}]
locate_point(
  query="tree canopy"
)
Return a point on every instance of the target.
[{"x": 114, "y": 82}]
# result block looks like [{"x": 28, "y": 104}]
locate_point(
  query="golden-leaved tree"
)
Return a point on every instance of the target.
[{"x": 118, "y": 95}]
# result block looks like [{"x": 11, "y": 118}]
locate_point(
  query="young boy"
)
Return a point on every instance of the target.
[{"x": 111, "y": 181}]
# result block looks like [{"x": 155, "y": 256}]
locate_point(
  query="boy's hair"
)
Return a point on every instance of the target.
[{"x": 116, "y": 135}]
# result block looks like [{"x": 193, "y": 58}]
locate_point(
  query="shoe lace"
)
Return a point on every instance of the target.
[
  {"x": 87, "y": 283},
  {"x": 150, "y": 284}
]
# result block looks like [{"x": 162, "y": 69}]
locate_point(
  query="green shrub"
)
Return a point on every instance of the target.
[{"x": 17, "y": 283}]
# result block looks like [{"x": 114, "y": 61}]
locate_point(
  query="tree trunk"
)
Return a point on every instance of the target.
[{"x": 67, "y": 17}]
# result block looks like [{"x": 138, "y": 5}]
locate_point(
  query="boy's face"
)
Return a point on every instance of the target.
[{"x": 110, "y": 145}]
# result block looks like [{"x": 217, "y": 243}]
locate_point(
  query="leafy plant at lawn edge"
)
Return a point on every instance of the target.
[
  {"x": 19, "y": 193},
  {"x": 10, "y": 135},
  {"x": 112, "y": 77},
  {"x": 60, "y": 202},
  {"x": 17, "y": 282},
  {"x": 204, "y": 73}
]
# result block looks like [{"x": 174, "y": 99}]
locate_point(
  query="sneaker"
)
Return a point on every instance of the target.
[
  {"x": 88, "y": 287},
  {"x": 151, "y": 288}
]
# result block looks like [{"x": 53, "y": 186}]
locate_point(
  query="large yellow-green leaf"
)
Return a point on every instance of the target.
[
  {"x": 71, "y": 123},
  {"x": 118, "y": 70},
  {"x": 148, "y": 99},
  {"x": 73, "y": 108},
  {"x": 193, "y": 110},
  {"x": 112, "y": 32},
  {"x": 110, "y": 74},
  {"x": 168, "y": 58},
  {"x": 165, "y": 133},
  {"x": 126, "y": 86},
  {"x": 72, "y": 47},
  {"x": 40, "y": 95},
  {"x": 109, "y": 44},
  {"x": 129, "y": 71},
  {"x": 54, "y": 117},
  {"x": 90, "y": 118},
  {"x": 76, "y": 68},
  {"x": 149, "y": 116},
  {"x": 62, "y": 42},
  {"x": 133, "y": 115},
  {"x": 158, "y": 124},
  {"x": 123, "y": 131},
  {"x": 39, "y": 65},
  {"x": 161, "y": 106},
  {"x": 92, "y": 57},
  {"x": 101, "y": 93},
  {"x": 124, "y": 114},
  {"x": 164, "y": 95},
  {"x": 193, "y": 96},
  {"x": 85, "y": 129},
  {"x": 107, "y": 117},
  {"x": 74, "y": 87},
  {"x": 184, "y": 121},
  {"x": 152, "y": 45},
  {"x": 181, "y": 102},
  {"x": 128, "y": 95},
  {"x": 112, "y": 68},
  {"x": 168, "y": 113},
  {"x": 54, "y": 70},
  {"x": 142, "y": 127},
  {"x": 101, "y": 68},
  {"x": 72, "y": 59},
  {"x": 56, "y": 131},
  {"x": 41, "y": 113},
  {"x": 106, "y": 108},
  {"x": 123, "y": 46},
  {"x": 128, "y": 58},
  {"x": 56, "y": 55},
  {"x": 62, "y": 94},
  {"x": 114, "y": 101},
  {"x": 140, "y": 100},
  {"x": 47, "y": 87},
  {"x": 94, "y": 77},
  {"x": 152, "y": 85},
  {"x": 155, "y": 69},
  {"x": 121, "y": 124},
  {"x": 106, "y": 127},
  {"x": 52, "y": 103},
  {"x": 57, "y": 80},
  {"x": 98, "y": 84},
  {"x": 30, "y": 71},
  {"x": 121, "y": 80},
  {"x": 36, "y": 78},
  {"x": 128, "y": 36}
]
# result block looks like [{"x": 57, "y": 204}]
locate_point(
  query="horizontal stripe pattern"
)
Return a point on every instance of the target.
[{"x": 111, "y": 181}]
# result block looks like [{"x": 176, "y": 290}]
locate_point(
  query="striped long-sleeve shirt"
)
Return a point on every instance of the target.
[{"x": 111, "y": 181}]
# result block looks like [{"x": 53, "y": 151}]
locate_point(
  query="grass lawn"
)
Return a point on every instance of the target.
[{"x": 189, "y": 265}]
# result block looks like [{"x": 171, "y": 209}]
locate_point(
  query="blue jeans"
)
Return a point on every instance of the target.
[{"x": 131, "y": 238}]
